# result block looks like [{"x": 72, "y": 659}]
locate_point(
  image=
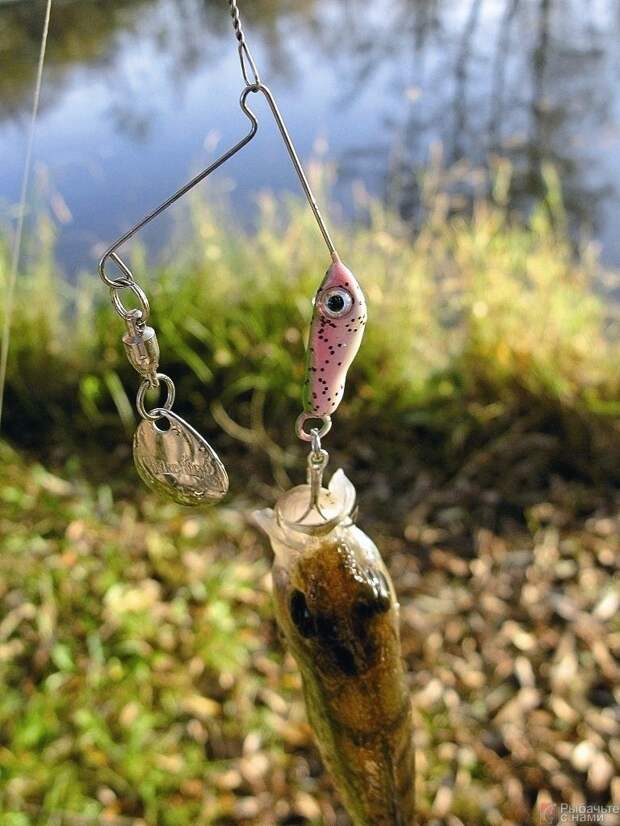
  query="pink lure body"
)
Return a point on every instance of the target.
[{"x": 335, "y": 336}]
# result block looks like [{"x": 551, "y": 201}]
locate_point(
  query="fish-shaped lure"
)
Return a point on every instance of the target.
[
  {"x": 337, "y": 609},
  {"x": 335, "y": 336}
]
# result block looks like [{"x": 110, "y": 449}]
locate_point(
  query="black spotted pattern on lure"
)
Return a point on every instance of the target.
[{"x": 336, "y": 333}]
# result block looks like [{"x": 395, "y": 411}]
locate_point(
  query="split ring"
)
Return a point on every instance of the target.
[{"x": 154, "y": 413}]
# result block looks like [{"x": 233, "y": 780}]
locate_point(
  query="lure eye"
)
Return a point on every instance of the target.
[
  {"x": 301, "y": 616},
  {"x": 336, "y": 302}
]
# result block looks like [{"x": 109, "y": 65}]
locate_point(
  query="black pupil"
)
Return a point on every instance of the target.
[{"x": 335, "y": 303}]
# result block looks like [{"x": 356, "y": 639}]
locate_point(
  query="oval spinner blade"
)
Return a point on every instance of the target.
[{"x": 178, "y": 462}]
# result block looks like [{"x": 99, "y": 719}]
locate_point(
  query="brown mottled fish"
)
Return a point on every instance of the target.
[{"x": 337, "y": 609}]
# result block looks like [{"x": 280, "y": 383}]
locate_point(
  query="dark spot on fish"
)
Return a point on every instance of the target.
[
  {"x": 375, "y": 600},
  {"x": 345, "y": 660},
  {"x": 301, "y": 616},
  {"x": 326, "y": 628}
]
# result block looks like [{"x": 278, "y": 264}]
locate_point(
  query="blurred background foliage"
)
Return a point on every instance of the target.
[
  {"x": 142, "y": 680},
  {"x": 481, "y": 325}
]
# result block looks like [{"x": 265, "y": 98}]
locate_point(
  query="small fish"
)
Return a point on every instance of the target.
[
  {"x": 337, "y": 609},
  {"x": 336, "y": 333}
]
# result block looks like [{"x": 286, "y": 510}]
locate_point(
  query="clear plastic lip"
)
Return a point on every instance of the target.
[{"x": 336, "y": 503}]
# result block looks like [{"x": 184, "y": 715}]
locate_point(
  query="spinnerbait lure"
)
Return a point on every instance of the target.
[
  {"x": 170, "y": 456},
  {"x": 334, "y": 600}
]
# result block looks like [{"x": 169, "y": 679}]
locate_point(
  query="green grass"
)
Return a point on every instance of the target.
[{"x": 476, "y": 323}]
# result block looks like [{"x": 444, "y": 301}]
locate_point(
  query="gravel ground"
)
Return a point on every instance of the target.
[{"x": 143, "y": 680}]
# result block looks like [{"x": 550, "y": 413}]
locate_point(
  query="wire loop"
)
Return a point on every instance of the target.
[
  {"x": 245, "y": 54},
  {"x": 303, "y": 434},
  {"x": 125, "y": 280}
]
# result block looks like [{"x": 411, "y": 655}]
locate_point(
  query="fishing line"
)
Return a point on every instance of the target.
[{"x": 17, "y": 243}]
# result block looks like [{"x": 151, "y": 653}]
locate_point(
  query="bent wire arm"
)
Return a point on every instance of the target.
[
  {"x": 290, "y": 147},
  {"x": 126, "y": 279},
  {"x": 175, "y": 460}
]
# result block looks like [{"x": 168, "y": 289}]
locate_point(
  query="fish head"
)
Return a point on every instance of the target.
[
  {"x": 293, "y": 527},
  {"x": 337, "y": 607},
  {"x": 333, "y": 594}
]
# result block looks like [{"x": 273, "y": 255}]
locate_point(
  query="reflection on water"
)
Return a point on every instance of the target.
[{"x": 139, "y": 93}]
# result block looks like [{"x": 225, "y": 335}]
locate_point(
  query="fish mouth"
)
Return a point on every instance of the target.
[
  {"x": 336, "y": 504},
  {"x": 318, "y": 528}
]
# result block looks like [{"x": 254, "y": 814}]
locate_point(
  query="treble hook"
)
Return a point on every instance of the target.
[{"x": 126, "y": 280}]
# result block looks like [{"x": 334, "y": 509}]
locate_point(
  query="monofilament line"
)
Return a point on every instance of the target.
[{"x": 17, "y": 242}]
